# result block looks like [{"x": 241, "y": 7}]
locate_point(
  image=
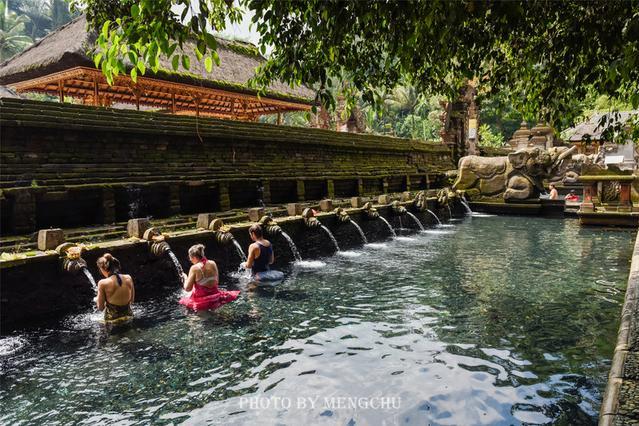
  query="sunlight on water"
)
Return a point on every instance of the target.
[{"x": 504, "y": 321}]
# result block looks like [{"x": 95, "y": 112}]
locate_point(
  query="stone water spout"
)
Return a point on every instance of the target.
[
  {"x": 270, "y": 226},
  {"x": 397, "y": 208},
  {"x": 370, "y": 211},
  {"x": 309, "y": 218},
  {"x": 71, "y": 255},
  {"x": 157, "y": 242},
  {"x": 341, "y": 215},
  {"x": 420, "y": 202},
  {"x": 223, "y": 234},
  {"x": 445, "y": 196}
]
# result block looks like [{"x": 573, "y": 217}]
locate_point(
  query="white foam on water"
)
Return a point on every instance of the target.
[
  {"x": 350, "y": 253},
  {"x": 11, "y": 345},
  {"x": 446, "y": 225},
  {"x": 437, "y": 231},
  {"x": 376, "y": 245},
  {"x": 483, "y": 215},
  {"x": 405, "y": 239},
  {"x": 310, "y": 264}
]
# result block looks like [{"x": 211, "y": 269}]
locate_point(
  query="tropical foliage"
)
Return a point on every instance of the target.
[
  {"x": 23, "y": 22},
  {"x": 545, "y": 53}
]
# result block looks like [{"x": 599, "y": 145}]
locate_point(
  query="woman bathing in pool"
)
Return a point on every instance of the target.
[
  {"x": 202, "y": 282},
  {"x": 260, "y": 255},
  {"x": 115, "y": 292}
]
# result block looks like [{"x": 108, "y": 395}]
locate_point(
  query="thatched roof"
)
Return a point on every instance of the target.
[
  {"x": 591, "y": 128},
  {"x": 68, "y": 47}
]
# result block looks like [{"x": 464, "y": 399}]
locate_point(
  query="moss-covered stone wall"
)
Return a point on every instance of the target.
[{"x": 69, "y": 165}]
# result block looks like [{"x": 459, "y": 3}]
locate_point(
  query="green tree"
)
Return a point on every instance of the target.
[
  {"x": 12, "y": 33},
  {"x": 546, "y": 53},
  {"x": 490, "y": 138}
]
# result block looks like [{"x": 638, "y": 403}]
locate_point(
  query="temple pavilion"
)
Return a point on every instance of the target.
[{"x": 61, "y": 65}]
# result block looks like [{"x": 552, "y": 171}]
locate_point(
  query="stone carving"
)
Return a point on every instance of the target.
[{"x": 518, "y": 176}]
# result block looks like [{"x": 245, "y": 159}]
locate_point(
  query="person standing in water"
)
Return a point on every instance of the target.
[
  {"x": 115, "y": 292},
  {"x": 202, "y": 282},
  {"x": 260, "y": 255},
  {"x": 554, "y": 195}
]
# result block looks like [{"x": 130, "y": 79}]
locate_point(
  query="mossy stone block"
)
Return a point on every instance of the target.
[{"x": 49, "y": 239}]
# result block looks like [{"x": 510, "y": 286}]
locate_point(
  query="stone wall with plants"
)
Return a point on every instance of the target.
[{"x": 70, "y": 165}]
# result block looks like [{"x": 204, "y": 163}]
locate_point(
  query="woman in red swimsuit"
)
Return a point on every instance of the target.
[{"x": 202, "y": 282}]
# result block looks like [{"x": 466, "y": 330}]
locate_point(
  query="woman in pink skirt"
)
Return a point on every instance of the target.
[{"x": 202, "y": 282}]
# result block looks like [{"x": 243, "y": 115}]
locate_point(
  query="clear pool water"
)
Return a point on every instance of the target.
[{"x": 495, "y": 320}]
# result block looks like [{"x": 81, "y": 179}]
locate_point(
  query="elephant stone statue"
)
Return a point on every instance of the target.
[{"x": 518, "y": 176}]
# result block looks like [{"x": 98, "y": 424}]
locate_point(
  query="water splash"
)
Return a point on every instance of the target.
[
  {"x": 390, "y": 228},
  {"x": 439, "y": 222},
  {"x": 310, "y": 264},
  {"x": 11, "y": 345},
  {"x": 178, "y": 268},
  {"x": 238, "y": 249},
  {"x": 332, "y": 237},
  {"x": 421, "y": 227},
  {"x": 450, "y": 213},
  {"x": 87, "y": 274},
  {"x": 361, "y": 232},
  {"x": 291, "y": 244}
]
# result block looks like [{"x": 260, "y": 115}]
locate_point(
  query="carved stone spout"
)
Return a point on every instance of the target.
[
  {"x": 158, "y": 245},
  {"x": 397, "y": 208},
  {"x": 71, "y": 257},
  {"x": 269, "y": 226},
  {"x": 420, "y": 202},
  {"x": 370, "y": 211},
  {"x": 223, "y": 234},
  {"x": 341, "y": 214},
  {"x": 309, "y": 218}
]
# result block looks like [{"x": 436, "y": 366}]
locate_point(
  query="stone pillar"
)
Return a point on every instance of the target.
[
  {"x": 360, "y": 186},
  {"x": 330, "y": 188},
  {"x": 255, "y": 214},
  {"x": 301, "y": 195},
  {"x": 24, "y": 211},
  {"x": 174, "y": 199},
  {"x": 108, "y": 205},
  {"x": 590, "y": 197},
  {"x": 225, "y": 199},
  {"x": 385, "y": 185}
]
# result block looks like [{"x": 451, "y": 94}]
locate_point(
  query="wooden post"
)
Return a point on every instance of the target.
[
  {"x": 279, "y": 118},
  {"x": 173, "y": 108},
  {"x": 96, "y": 89},
  {"x": 61, "y": 90}
]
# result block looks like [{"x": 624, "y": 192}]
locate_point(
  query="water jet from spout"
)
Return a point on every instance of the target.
[
  {"x": 421, "y": 227},
  {"x": 439, "y": 222},
  {"x": 361, "y": 232},
  {"x": 291, "y": 244},
  {"x": 390, "y": 228},
  {"x": 330, "y": 234}
]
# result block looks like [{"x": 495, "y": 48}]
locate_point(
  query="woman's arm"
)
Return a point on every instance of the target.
[
  {"x": 190, "y": 280},
  {"x": 132, "y": 292},
  {"x": 101, "y": 295},
  {"x": 253, "y": 248}
]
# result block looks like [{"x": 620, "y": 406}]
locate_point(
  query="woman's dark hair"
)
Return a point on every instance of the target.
[
  {"x": 197, "y": 251},
  {"x": 256, "y": 230},
  {"x": 109, "y": 263}
]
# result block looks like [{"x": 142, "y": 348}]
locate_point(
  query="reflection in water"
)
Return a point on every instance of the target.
[{"x": 493, "y": 321}]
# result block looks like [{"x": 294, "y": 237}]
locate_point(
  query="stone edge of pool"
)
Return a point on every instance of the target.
[{"x": 620, "y": 404}]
